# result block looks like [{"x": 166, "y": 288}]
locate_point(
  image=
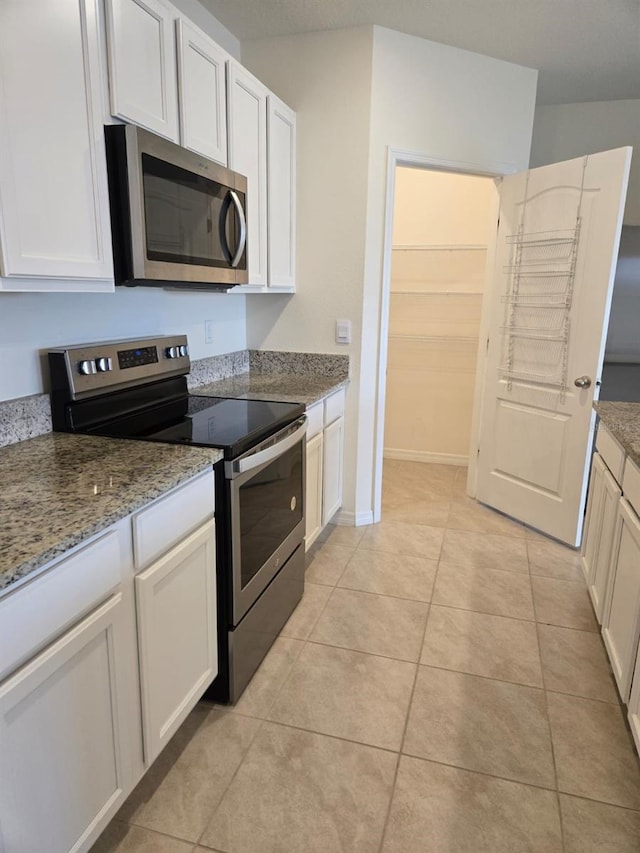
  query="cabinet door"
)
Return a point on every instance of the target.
[
  {"x": 332, "y": 470},
  {"x": 593, "y": 518},
  {"x": 63, "y": 773},
  {"x": 142, "y": 64},
  {"x": 177, "y": 640},
  {"x": 281, "y": 136},
  {"x": 202, "y": 93},
  {"x": 604, "y": 494},
  {"x": 313, "y": 503},
  {"x": 621, "y": 625},
  {"x": 54, "y": 211},
  {"x": 247, "y": 131},
  {"x": 634, "y": 703}
]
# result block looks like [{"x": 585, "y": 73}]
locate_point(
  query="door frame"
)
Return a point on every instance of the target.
[{"x": 415, "y": 159}]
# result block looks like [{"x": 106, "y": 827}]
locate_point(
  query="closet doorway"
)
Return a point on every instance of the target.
[{"x": 442, "y": 225}]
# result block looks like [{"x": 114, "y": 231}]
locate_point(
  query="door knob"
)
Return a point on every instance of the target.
[{"x": 582, "y": 382}]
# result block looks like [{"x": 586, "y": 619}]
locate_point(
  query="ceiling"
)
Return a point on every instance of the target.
[{"x": 585, "y": 50}]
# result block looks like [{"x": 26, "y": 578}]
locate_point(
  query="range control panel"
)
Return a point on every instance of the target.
[{"x": 90, "y": 369}]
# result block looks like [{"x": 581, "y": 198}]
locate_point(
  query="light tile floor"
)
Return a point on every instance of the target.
[{"x": 442, "y": 688}]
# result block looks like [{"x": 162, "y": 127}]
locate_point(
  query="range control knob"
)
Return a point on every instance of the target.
[
  {"x": 87, "y": 367},
  {"x": 104, "y": 364},
  {"x": 172, "y": 352},
  {"x": 184, "y": 351}
]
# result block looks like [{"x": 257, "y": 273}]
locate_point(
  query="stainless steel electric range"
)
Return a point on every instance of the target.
[{"x": 137, "y": 389}]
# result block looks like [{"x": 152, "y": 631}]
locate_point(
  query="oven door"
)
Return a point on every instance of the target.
[{"x": 267, "y": 512}]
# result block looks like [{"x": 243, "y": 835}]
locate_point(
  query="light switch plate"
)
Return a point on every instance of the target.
[{"x": 343, "y": 331}]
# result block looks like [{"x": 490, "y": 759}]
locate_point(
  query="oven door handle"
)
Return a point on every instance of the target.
[{"x": 255, "y": 460}]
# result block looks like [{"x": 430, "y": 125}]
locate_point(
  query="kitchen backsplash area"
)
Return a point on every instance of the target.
[
  {"x": 27, "y": 417},
  {"x": 24, "y": 418}
]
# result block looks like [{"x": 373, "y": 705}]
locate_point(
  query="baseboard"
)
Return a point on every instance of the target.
[
  {"x": 425, "y": 456},
  {"x": 352, "y": 519}
]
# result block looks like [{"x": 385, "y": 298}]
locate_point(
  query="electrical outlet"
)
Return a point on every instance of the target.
[{"x": 209, "y": 333}]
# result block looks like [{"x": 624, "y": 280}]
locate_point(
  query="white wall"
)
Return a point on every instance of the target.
[
  {"x": 357, "y": 92},
  {"x": 326, "y": 78},
  {"x": 32, "y": 322},
  {"x": 563, "y": 131}
]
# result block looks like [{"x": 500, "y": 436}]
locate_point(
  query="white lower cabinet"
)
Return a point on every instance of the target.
[
  {"x": 621, "y": 623},
  {"x": 83, "y": 663},
  {"x": 177, "y": 639},
  {"x": 604, "y": 495},
  {"x": 634, "y": 703},
  {"x": 332, "y": 469},
  {"x": 325, "y": 447},
  {"x": 62, "y": 721},
  {"x": 313, "y": 509}
]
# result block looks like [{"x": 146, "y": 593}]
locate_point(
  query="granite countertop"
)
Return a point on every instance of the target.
[
  {"x": 622, "y": 420},
  {"x": 59, "y": 489},
  {"x": 284, "y": 387}
]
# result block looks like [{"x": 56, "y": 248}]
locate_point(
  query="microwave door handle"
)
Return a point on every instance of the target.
[{"x": 242, "y": 242}]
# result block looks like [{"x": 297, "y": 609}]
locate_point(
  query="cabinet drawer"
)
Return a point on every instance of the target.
[
  {"x": 631, "y": 484},
  {"x": 172, "y": 517},
  {"x": 37, "y": 613},
  {"x": 611, "y": 452},
  {"x": 334, "y": 407},
  {"x": 315, "y": 420}
]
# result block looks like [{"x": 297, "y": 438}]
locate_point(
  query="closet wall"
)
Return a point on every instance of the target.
[{"x": 442, "y": 224}]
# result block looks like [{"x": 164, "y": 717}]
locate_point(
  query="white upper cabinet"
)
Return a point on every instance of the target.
[
  {"x": 247, "y": 134},
  {"x": 202, "y": 93},
  {"x": 281, "y": 150},
  {"x": 54, "y": 207},
  {"x": 142, "y": 64}
]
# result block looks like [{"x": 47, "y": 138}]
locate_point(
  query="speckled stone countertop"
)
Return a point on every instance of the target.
[
  {"x": 622, "y": 420},
  {"x": 59, "y": 489},
  {"x": 284, "y": 387}
]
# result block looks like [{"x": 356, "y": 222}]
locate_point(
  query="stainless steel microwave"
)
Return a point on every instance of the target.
[{"x": 177, "y": 218}]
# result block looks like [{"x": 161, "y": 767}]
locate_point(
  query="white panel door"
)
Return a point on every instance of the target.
[
  {"x": 63, "y": 772},
  {"x": 142, "y": 64},
  {"x": 247, "y": 129},
  {"x": 203, "y": 93},
  {"x": 281, "y": 136},
  {"x": 54, "y": 204},
  {"x": 177, "y": 635},
  {"x": 556, "y": 251}
]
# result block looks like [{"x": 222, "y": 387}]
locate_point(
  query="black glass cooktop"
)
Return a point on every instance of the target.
[{"x": 232, "y": 425}]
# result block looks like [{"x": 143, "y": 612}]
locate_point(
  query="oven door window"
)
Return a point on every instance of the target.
[
  {"x": 188, "y": 218},
  {"x": 270, "y": 509}
]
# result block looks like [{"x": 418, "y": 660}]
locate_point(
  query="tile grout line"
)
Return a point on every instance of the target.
[
  {"x": 546, "y": 704},
  {"x": 262, "y": 720},
  {"x": 406, "y": 721},
  {"x": 228, "y": 785}
]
